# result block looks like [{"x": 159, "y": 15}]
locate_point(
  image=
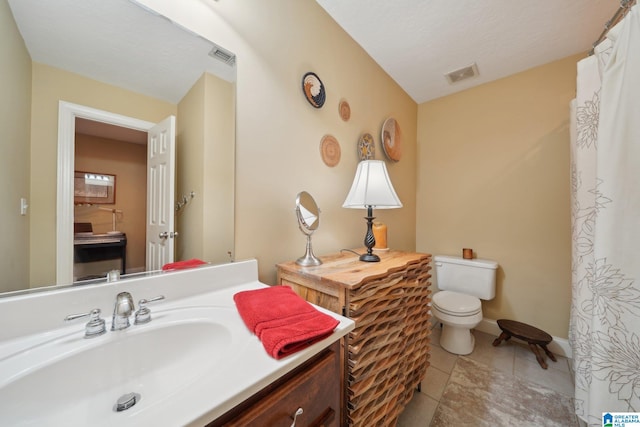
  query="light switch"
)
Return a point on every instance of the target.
[{"x": 23, "y": 206}]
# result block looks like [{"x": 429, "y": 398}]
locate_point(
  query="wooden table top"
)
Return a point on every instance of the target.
[{"x": 346, "y": 268}]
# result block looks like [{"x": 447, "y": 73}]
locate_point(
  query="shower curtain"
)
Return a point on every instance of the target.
[{"x": 605, "y": 179}]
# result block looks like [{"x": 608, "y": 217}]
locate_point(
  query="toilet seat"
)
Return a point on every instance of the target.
[{"x": 456, "y": 304}]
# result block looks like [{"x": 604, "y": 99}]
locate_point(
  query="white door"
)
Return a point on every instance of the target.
[{"x": 161, "y": 193}]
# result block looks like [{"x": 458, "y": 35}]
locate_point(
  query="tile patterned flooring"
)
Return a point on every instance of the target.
[{"x": 510, "y": 357}]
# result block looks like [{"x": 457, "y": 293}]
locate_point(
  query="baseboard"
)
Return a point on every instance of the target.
[{"x": 558, "y": 346}]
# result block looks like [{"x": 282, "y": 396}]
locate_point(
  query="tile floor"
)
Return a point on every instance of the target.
[{"x": 511, "y": 357}]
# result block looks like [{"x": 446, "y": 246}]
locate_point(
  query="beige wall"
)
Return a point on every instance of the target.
[
  {"x": 205, "y": 161},
  {"x": 494, "y": 176},
  {"x": 15, "y": 85},
  {"x": 128, "y": 162},
  {"x": 49, "y": 86},
  {"x": 189, "y": 151},
  {"x": 279, "y": 132},
  {"x": 493, "y": 160},
  {"x": 219, "y": 164}
]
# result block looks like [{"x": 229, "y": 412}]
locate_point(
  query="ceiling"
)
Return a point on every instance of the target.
[
  {"x": 108, "y": 131},
  {"x": 117, "y": 42},
  {"x": 417, "y": 42}
]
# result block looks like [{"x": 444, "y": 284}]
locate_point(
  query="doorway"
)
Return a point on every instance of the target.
[
  {"x": 109, "y": 199},
  {"x": 68, "y": 114}
]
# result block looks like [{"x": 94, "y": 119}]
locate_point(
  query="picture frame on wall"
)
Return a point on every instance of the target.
[{"x": 94, "y": 188}]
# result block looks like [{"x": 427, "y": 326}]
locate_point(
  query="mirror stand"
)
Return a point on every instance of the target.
[
  {"x": 309, "y": 258},
  {"x": 308, "y": 220}
]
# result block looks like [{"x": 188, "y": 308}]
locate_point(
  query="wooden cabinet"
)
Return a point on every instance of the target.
[
  {"x": 314, "y": 387},
  {"x": 386, "y": 356}
]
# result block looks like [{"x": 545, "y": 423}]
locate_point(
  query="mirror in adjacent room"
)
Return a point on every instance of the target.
[
  {"x": 122, "y": 59},
  {"x": 308, "y": 215}
]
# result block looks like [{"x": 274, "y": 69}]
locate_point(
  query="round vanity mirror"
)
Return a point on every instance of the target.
[{"x": 308, "y": 220}]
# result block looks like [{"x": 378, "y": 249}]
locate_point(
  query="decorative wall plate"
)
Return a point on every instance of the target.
[
  {"x": 330, "y": 150},
  {"x": 366, "y": 148},
  {"x": 345, "y": 110},
  {"x": 391, "y": 139},
  {"x": 313, "y": 89}
]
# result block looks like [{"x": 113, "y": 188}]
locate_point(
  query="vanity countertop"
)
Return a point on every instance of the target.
[
  {"x": 255, "y": 369},
  {"x": 229, "y": 378}
]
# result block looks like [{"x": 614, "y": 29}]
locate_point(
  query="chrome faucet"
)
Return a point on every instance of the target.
[{"x": 122, "y": 311}]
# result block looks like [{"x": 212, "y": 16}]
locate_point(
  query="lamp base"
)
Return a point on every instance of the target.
[
  {"x": 369, "y": 257},
  {"x": 369, "y": 239}
]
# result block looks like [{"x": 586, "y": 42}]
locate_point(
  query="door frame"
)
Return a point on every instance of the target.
[{"x": 67, "y": 114}]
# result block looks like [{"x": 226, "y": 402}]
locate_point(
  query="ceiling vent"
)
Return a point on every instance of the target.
[
  {"x": 223, "y": 55},
  {"x": 462, "y": 73}
]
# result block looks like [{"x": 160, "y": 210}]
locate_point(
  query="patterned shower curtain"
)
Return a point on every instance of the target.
[{"x": 605, "y": 178}]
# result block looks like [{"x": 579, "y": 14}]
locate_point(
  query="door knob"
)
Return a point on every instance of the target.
[
  {"x": 173, "y": 234},
  {"x": 163, "y": 234}
]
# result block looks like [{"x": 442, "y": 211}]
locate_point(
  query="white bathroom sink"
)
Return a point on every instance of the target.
[
  {"x": 193, "y": 362},
  {"x": 67, "y": 377}
]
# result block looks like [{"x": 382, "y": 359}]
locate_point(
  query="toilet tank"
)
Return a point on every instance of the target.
[{"x": 475, "y": 277}]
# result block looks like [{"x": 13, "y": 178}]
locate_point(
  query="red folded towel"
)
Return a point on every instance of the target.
[
  {"x": 275, "y": 304},
  {"x": 288, "y": 339},
  {"x": 284, "y": 322},
  {"x": 181, "y": 265}
]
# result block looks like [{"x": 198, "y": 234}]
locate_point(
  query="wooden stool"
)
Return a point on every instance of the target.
[{"x": 533, "y": 336}]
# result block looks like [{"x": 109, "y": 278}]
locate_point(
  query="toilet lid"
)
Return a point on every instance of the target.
[{"x": 456, "y": 304}]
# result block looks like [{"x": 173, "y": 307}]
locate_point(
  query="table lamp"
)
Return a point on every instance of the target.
[{"x": 371, "y": 188}]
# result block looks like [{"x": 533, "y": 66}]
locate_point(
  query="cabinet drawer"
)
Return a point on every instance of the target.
[{"x": 314, "y": 387}]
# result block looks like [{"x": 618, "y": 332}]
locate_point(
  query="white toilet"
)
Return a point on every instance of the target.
[{"x": 462, "y": 283}]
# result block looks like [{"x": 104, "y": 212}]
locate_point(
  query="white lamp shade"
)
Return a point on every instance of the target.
[{"x": 372, "y": 187}]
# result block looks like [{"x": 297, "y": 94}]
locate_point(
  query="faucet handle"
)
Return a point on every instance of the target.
[
  {"x": 143, "y": 315},
  {"x": 95, "y": 326}
]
